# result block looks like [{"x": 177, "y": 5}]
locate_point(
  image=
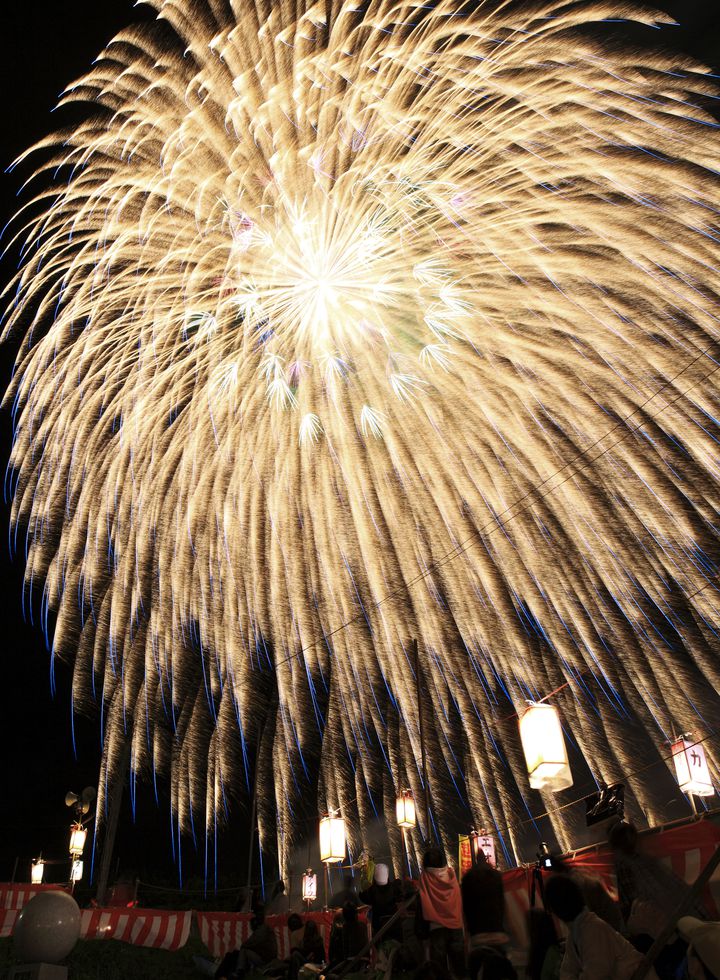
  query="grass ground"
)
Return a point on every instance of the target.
[{"x": 111, "y": 960}]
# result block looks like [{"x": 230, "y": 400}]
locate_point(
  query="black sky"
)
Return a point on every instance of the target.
[{"x": 45, "y": 46}]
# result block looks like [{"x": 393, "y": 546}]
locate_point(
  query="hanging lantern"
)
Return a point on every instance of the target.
[
  {"x": 405, "y": 810},
  {"x": 693, "y": 774},
  {"x": 309, "y": 887},
  {"x": 482, "y": 843},
  {"x": 37, "y": 871},
  {"x": 544, "y": 747},
  {"x": 332, "y": 839},
  {"x": 78, "y": 835},
  {"x": 76, "y": 871}
]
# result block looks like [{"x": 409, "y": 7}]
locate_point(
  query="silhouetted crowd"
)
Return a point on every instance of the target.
[{"x": 437, "y": 928}]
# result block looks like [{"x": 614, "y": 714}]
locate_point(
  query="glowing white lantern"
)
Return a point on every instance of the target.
[
  {"x": 77, "y": 840},
  {"x": 332, "y": 839},
  {"x": 693, "y": 774},
  {"x": 405, "y": 810},
  {"x": 37, "y": 871},
  {"x": 482, "y": 843},
  {"x": 76, "y": 871},
  {"x": 544, "y": 747},
  {"x": 309, "y": 886}
]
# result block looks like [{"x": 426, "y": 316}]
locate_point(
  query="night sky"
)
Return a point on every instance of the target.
[{"x": 46, "y": 45}]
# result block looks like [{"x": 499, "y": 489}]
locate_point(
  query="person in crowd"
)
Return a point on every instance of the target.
[
  {"x": 278, "y": 901},
  {"x": 593, "y": 949},
  {"x": 311, "y": 949},
  {"x": 348, "y": 938},
  {"x": 703, "y": 955},
  {"x": 259, "y": 949},
  {"x": 645, "y": 881},
  {"x": 348, "y": 893},
  {"x": 439, "y": 912},
  {"x": 546, "y": 948},
  {"x": 597, "y": 898},
  {"x": 483, "y": 904},
  {"x": 296, "y": 929},
  {"x": 383, "y": 895},
  {"x": 649, "y": 893}
]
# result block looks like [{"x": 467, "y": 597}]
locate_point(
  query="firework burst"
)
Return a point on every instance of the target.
[{"x": 354, "y": 322}]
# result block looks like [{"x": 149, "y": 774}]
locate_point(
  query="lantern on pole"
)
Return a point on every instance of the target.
[
  {"x": 482, "y": 843},
  {"x": 76, "y": 871},
  {"x": 78, "y": 834},
  {"x": 544, "y": 748},
  {"x": 309, "y": 887},
  {"x": 37, "y": 871},
  {"x": 693, "y": 774},
  {"x": 405, "y": 810},
  {"x": 332, "y": 839}
]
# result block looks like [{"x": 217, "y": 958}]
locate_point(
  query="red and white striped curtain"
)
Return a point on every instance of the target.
[{"x": 156, "y": 928}]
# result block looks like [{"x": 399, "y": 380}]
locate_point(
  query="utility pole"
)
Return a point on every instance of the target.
[
  {"x": 423, "y": 752},
  {"x": 261, "y": 734},
  {"x": 114, "y": 805},
  {"x": 253, "y": 820}
]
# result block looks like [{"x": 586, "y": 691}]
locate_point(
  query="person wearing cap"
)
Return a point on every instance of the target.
[
  {"x": 703, "y": 960},
  {"x": 382, "y": 895},
  {"x": 593, "y": 949}
]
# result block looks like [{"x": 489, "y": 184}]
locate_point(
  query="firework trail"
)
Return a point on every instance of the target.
[{"x": 320, "y": 294}]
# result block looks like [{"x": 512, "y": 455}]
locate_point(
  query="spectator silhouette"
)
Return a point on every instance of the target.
[
  {"x": 348, "y": 893},
  {"x": 593, "y": 949},
  {"x": 259, "y": 949},
  {"x": 596, "y": 896},
  {"x": 310, "y": 950},
  {"x": 382, "y": 896},
  {"x": 439, "y": 915},
  {"x": 483, "y": 903}
]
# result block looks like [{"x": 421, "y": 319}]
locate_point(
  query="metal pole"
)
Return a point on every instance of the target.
[{"x": 423, "y": 753}]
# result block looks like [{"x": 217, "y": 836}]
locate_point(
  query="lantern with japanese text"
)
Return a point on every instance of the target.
[
  {"x": 482, "y": 843},
  {"x": 693, "y": 774},
  {"x": 309, "y": 887}
]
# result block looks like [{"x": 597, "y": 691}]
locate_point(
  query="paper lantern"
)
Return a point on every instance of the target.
[
  {"x": 405, "y": 810},
  {"x": 693, "y": 774},
  {"x": 37, "y": 871},
  {"x": 309, "y": 886},
  {"x": 544, "y": 747},
  {"x": 482, "y": 843},
  {"x": 77, "y": 839},
  {"x": 332, "y": 839},
  {"x": 76, "y": 871}
]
